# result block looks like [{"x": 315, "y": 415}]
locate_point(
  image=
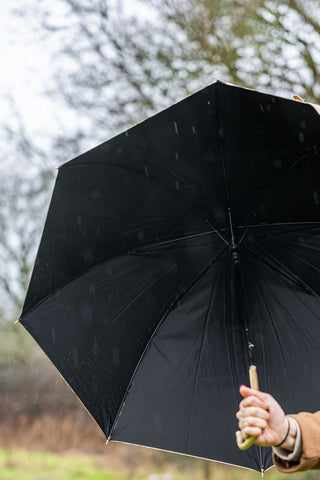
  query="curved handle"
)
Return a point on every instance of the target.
[{"x": 245, "y": 443}]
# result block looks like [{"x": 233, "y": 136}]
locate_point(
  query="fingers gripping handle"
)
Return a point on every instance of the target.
[{"x": 244, "y": 443}]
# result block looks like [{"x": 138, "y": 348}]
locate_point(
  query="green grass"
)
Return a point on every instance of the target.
[
  {"x": 20, "y": 465},
  {"x": 23, "y": 465}
]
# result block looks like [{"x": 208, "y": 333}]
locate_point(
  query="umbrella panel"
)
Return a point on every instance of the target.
[{"x": 135, "y": 296}]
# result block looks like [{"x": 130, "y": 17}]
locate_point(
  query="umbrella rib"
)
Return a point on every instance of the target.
[
  {"x": 297, "y": 325},
  {"x": 183, "y": 291},
  {"x": 146, "y": 178},
  {"x": 176, "y": 175},
  {"x": 281, "y": 224},
  {"x": 274, "y": 332},
  {"x": 220, "y": 144},
  {"x": 131, "y": 252},
  {"x": 198, "y": 362},
  {"x": 285, "y": 272},
  {"x": 126, "y": 306},
  {"x": 174, "y": 240},
  {"x": 243, "y": 235},
  {"x": 218, "y": 233},
  {"x": 224, "y": 172},
  {"x": 297, "y": 244},
  {"x": 266, "y": 197},
  {"x": 305, "y": 226}
]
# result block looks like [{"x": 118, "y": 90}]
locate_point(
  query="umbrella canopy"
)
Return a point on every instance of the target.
[{"x": 169, "y": 251}]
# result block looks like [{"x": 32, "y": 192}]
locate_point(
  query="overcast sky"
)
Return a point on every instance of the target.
[{"x": 24, "y": 68}]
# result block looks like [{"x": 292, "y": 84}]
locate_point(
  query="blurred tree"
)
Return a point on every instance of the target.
[
  {"x": 118, "y": 62},
  {"x": 27, "y": 175},
  {"x": 24, "y": 189},
  {"x": 19, "y": 235}
]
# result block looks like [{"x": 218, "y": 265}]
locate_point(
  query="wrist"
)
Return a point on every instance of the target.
[{"x": 290, "y": 441}]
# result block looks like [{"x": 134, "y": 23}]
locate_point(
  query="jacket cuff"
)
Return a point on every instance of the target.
[
  {"x": 294, "y": 456},
  {"x": 309, "y": 424}
]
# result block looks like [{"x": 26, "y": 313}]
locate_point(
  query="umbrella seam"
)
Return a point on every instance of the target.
[
  {"x": 182, "y": 200},
  {"x": 286, "y": 272},
  {"x": 183, "y": 292},
  {"x": 198, "y": 363},
  {"x": 275, "y": 332},
  {"x": 124, "y": 308},
  {"x": 84, "y": 272},
  {"x": 266, "y": 197},
  {"x": 281, "y": 277},
  {"x": 221, "y": 150}
]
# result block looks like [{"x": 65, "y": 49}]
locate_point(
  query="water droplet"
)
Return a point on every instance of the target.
[
  {"x": 146, "y": 171},
  {"x": 53, "y": 335},
  {"x": 75, "y": 358},
  {"x": 177, "y": 155},
  {"x": 95, "y": 348},
  {"x": 87, "y": 255},
  {"x": 277, "y": 164},
  {"x": 141, "y": 235},
  {"x": 261, "y": 107},
  {"x": 301, "y": 137},
  {"x": 177, "y": 184},
  {"x": 86, "y": 312},
  {"x": 193, "y": 129},
  {"x": 176, "y": 127},
  {"x": 115, "y": 356},
  {"x": 95, "y": 194},
  {"x": 316, "y": 197}
]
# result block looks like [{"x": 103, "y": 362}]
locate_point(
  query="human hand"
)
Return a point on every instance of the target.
[{"x": 261, "y": 415}]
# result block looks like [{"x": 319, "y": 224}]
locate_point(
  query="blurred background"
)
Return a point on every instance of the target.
[{"x": 73, "y": 74}]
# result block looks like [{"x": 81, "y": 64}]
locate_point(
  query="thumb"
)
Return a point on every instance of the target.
[
  {"x": 250, "y": 392},
  {"x": 247, "y": 391}
]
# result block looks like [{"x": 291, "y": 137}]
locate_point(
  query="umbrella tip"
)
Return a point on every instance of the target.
[
  {"x": 262, "y": 472},
  {"x": 299, "y": 99}
]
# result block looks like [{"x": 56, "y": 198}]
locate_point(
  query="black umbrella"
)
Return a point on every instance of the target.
[{"x": 168, "y": 252}]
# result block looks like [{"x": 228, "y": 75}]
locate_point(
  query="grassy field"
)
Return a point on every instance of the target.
[
  {"x": 24, "y": 465},
  {"x": 39, "y": 414}
]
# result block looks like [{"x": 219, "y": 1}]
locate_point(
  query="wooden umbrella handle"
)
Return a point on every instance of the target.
[{"x": 244, "y": 443}]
